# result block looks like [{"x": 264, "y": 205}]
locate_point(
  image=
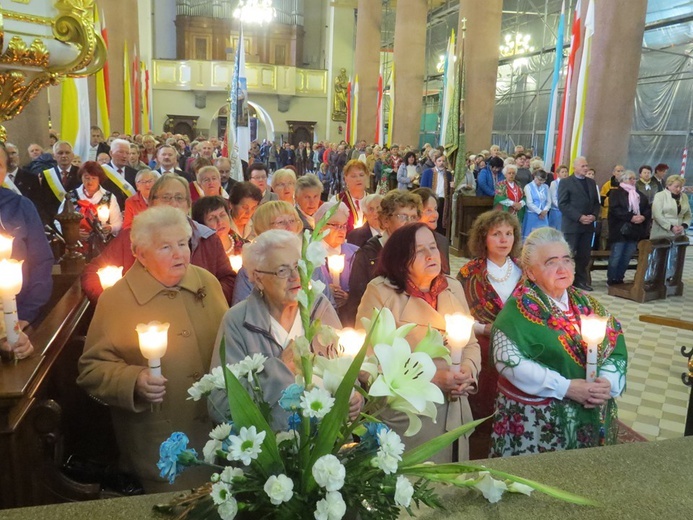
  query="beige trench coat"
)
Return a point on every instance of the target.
[
  {"x": 406, "y": 309},
  {"x": 111, "y": 362}
]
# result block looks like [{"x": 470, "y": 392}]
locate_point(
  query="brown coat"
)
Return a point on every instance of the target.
[
  {"x": 111, "y": 362},
  {"x": 406, "y": 309}
]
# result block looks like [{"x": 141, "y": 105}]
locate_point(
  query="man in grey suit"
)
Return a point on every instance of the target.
[{"x": 578, "y": 200}]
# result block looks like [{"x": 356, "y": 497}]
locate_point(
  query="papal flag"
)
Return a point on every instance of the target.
[
  {"x": 553, "y": 98},
  {"x": 103, "y": 119},
  {"x": 128, "y": 116},
  {"x": 75, "y": 119},
  {"x": 583, "y": 81}
]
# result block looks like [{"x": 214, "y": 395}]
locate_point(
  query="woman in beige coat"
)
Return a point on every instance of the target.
[
  {"x": 162, "y": 286},
  {"x": 671, "y": 212},
  {"x": 413, "y": 287}
]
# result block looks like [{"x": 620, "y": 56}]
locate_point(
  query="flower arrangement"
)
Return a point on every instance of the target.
[{"x": 324, "y": 463}]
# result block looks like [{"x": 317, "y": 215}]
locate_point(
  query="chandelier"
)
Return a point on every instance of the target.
[
  {"x": 517, "y": 44},
  {"x": 254, "y": 12}
]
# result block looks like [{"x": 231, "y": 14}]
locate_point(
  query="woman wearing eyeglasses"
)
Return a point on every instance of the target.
[
  {"x": 269, "y": 319},
  {"x": 205, "y": 247},
  {"x": 284, "y": 184},
  {"x": 136, "y": 204},
  {"x": 207, "y": 184}
]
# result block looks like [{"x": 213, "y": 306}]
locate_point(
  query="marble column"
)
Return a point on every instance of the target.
[
  {"x": 367, "y": 66},
  {"x": 409, "y": 60},
  {"x": 481, "y": 51},
  {"x": 613, "y": 77}
]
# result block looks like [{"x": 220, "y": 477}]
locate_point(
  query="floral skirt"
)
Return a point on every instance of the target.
[{"x": 520, "y": 428}]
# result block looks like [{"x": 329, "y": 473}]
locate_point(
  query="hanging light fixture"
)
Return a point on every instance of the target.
[
  {"x": 255, "y": 12},
  {"x": 516, "y": 44}
]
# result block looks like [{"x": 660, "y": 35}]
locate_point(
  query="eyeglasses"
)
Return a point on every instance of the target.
[
  {"x": 406, "y": 218},
  {"x": 263, "y": 178},
  {"x": 169, "y": 198},
  {"x": 338, "y": 227},
  {"x": 150, "y": 181},
  {"x": 283, "y": 271},
  {"x": 283, "y": 185},
  {"x": 285, "y": 223}
]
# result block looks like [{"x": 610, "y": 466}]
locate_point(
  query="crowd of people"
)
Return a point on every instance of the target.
[{"x": 185, "y": 217}]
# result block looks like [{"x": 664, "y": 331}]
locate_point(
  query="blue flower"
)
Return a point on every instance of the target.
[
  {"x": 370, "y": 438},
  {"x": 174, "y": 456},
  {"x": 290, "y": 400},
  {"x": 294, "y": 421}
]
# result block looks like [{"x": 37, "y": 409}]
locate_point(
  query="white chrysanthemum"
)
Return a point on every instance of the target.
[
  {"x": 250, "y": 365},
  {"x": 329, "y": 473},
  {"x": 221, "y": 492},
  {"x": 292, "y": 437},
  {"x": 201, "y": 388},
  {"x": 229, "y": 474},
  {"x": 403, "y": 491},
  {"x": 221, "y": 432},
  {"x": 491, "y": 488},
  {"x": 386, "y": 462},
  {"x": 246, "y": 446},
  {"x": 209, "y": 452},
  {"x": 228, "y": 510},
  {"x": 316, "y": 403},
  {"x": 390, "y": 443},
  {"x": 279, "y": 488},
  {"x": 332, "y": 507}
]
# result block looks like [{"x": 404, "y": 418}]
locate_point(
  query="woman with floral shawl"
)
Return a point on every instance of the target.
[
  {"x": 544, "y": 401},
  {"x": 509, "y": 195}
]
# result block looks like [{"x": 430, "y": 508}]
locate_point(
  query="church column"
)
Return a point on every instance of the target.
[
  {"x": 367, "y": 66},
  {"x": 481, "y": 51},
  {"x": 409, "y": 61},
  {"x": 619, "y": 28}
]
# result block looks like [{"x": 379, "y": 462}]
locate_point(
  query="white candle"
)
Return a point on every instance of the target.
[
  {"x": 593, "y": 329},
  {"x": 109, "y": 275},
  {"x": 335, "y": 263},
  {"x": 350, "y": 341},
  {"x": 153, "y": 337},
  {"x": 103, "y": 212},
  {"x": 6, "y": 247},
  {"x": 10, "y": 285},
  {"x": 459, "y": 329},
  {"x": 236, "y": 262}
]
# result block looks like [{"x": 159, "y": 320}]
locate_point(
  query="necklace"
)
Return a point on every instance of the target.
[{"x": 506, "y": 276}]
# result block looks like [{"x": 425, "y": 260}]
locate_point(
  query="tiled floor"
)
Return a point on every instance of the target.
[{"x": 656, "y": 400}]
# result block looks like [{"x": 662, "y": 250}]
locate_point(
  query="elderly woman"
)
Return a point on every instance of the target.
[
  {"x": 371, "y": 226},
  {"x": 335, "y": 244},
  {"x": 161, "y": 286},
  {"x": 555, "y": 215},
  {"x": 356, "y": 178},
  {"x": 544, "y": 401},
  {"x": 89, "y": 197},
  {"x": 284, "y": 185},
  {"x": 275, "y": 214},
  {"x": 144, "y": 180},
  {"x": 397, "y": 209},
  {"x": 412, "y": 285},
  {"x": 206, "y": 248},
  {"x": 244, "y": 200},
  {"x": 488, "y": 281},
  {"x": 629, "y": 220},
  {"x": 408, "y": 172},
  {"x": 509, "y": 196},
  {"x": 268, "y": 320},
  {"x": 671, "y": 212},
  {"x": 440, "y": 180},
  {"x": 538, "y": 203},
  {"x": 308, "y": 192},
  {"x": 429, "y": 216},
  {"x": 213, "y": 212},
  {"x": 207, "y": 184}
]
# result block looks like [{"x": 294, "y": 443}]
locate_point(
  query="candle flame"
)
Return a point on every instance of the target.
[
  {"x": 5, "y": 247},
  {"x": 459, "y": 327},
  {"x": 10, "y": 277},
  {"x": 109, "y": 275},
  {"x": 236, "y": 262},
  {"x": 593, "y": 328},
  {"x": 351, "y": 341}
]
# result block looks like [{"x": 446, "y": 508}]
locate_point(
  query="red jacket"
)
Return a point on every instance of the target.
[{"x": 207, "y": 252}]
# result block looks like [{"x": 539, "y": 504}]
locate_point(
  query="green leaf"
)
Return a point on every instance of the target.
[
  {"x": 432, "y": 344},
  {"x": 426, "y": 450},
  {"x": 245, "y": 412}
]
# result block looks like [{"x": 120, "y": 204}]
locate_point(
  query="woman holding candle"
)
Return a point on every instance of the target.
[
  {"x": 488, "y": 281},
  {"x": 412, "y": 285},
  {"x": 144, "y": 180},
  {"x": 544, "y": 401},
  {"x": 161, "y": 286},
  {"x": 94, "y": 202},
  {"x": 269, "y": 319},
  {"x": 356, "y": 178}
]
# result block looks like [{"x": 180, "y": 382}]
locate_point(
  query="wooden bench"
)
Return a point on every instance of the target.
[
  {"x": 604, "y": 254},
  {"x": 650, "y": 274}
]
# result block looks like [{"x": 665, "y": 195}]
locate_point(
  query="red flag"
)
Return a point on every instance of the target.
[{"x": 683, "y": 161}]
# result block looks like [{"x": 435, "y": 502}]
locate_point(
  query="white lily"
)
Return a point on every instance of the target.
[
  {"x": 433, "y": 345},
  {"x": 384, "y": 329},
  {"x": 332, "y": 371},
  {"x": 316, "y": 287},
  {"x": 406, "y": 382},
  {"x": 316, "y": 253}
]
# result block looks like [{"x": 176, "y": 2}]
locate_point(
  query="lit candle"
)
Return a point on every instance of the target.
[
  {"x": 350, "y": 341},
  {"x": 593, "y": 329},
  {"x": 5, "y": 247},
  {"x": 459, "y": 329},
  {"x": 153, "y": 338},
  {"x": 103, "y": 213},
  {"x": 236, "y": 262},
  {"x": 109, "y": 275},
  {"x": 335, "y": 263},
  {"x": 359, "y": 222},
  {"x": 10, "y": 285}
]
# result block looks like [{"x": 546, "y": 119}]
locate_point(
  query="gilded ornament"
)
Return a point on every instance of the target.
[
  {"x": 339, "y": 102},
  {"x": 18, "y": 53}
]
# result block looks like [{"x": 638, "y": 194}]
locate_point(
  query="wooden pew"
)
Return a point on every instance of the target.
[
  {"x": 468, "y": 208},
  {"x": 675, "y": 262},
  {"x": 650, "y": 275}
]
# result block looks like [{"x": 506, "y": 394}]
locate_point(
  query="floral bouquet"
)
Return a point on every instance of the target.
[{"x": 325, "y": 464}]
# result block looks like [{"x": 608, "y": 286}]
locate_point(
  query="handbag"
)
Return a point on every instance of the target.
[{"x": 630, "y": 231}]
